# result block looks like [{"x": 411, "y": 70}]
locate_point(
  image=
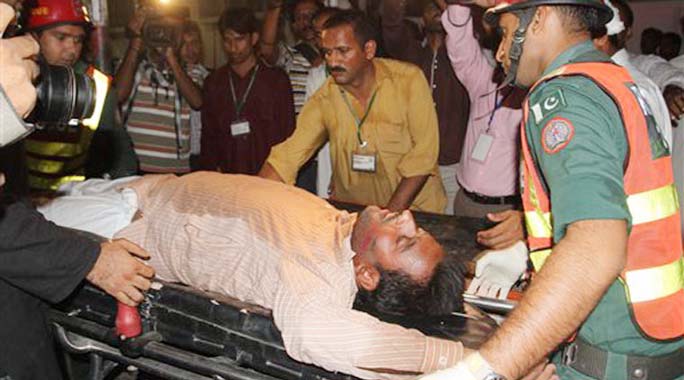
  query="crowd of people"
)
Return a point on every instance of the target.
[{"x": 506, "y": 110}]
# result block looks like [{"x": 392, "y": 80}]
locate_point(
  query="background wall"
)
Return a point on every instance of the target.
[{"x": 661, "y": 14}]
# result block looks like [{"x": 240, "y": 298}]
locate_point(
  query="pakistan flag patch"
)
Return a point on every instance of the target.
[{"x": 552, "y": 103}]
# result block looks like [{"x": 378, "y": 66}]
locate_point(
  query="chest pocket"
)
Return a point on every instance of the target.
[{"x": 392, "y": 138}]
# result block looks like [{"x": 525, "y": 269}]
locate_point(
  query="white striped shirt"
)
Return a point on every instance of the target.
[{"x": 272, "y": 244}]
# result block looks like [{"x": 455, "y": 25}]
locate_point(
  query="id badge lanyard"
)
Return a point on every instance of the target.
[
  {"x": 239, "y": 105},
  {"x": 359, "y": 122}
]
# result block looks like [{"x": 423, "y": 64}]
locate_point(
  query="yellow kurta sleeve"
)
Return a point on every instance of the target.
[
  {"x": 310, "y": 133},
  {"x": 423, "y": 128}
]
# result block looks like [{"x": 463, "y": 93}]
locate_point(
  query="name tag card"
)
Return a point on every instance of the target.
[
  {"x": 239, "y": 128},
  {"x": 364, "y": 162},
  {"x": 482, "y": 147}
]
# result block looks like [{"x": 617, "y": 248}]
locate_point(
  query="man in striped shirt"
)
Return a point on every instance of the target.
[
  {"x": 158, "y": 95},
  {"x": 285, "y": 249}
]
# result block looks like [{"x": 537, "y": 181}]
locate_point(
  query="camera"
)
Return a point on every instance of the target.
[
  {"x": 162, "y": 32},
  {"x": 63, "y": 97},
  {"x": 163, "y": 27}
]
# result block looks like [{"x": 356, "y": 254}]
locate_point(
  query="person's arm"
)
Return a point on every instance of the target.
[
  {"x": 554, "y": 300},
  {"x": 398, "y": 41},
  {"x": 268, "y": 42},
  {"x": 467, "y": 60},
  {"x": 406, "y": 192},
  {"x": 211, "y": 125},
  {"x": 287, "y": 157},
  {"x": 188, "y": 89},
  {"x": 285, "y": 114},
  {"x": 125, "y": 75},
  {"x": 49, "y": 262},
  {"x": 420, "y": 162}
]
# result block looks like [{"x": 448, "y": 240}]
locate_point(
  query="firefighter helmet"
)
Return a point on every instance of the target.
[{"x": 48, "y": 13}]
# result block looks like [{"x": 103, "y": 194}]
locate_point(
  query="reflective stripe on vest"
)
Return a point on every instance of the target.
[
  {"x": 52, "y": 163},
  {"x": 654, "y": 275},
  {"x": 644, "y": 207},
  {"x": 652, "y": 283},
  {"x": 53, "y": 183}
]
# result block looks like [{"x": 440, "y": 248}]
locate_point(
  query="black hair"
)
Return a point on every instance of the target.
[
  {"x": 580, "y": 18},
  {"x": 650, "y": 40},
  {"x": 241, "y": 20},
  {"x": 294, "y": 3},
  {"x": 670, "y": 44},
  {"x": 364, "y": 30},
  {"x": 397, "y": 295}
]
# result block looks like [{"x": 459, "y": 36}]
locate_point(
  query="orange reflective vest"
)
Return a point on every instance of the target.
[{"x": 654, "y": 275}]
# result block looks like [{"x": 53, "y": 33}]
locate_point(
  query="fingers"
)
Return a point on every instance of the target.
[
  {"x": 499, "y": 216},
  {"x": 125, "y": 299},
  {"x": 474, "y": 286},
  {"x": 7, "y": 13},
  {"x": 145, "y": 271},
  {"x": 132, "y": 248},
  {"x": 22, "y": 47}
]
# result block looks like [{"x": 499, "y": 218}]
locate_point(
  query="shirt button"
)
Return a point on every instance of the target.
[{"x": 639, "y": 373}]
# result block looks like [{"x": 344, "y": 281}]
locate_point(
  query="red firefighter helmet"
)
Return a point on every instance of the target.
[{"x": 48, "y": 13}]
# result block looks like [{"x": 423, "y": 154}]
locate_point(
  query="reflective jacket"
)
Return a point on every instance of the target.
[{"x": 654, "y": 275}]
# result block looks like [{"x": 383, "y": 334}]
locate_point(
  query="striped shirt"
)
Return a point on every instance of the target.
[
  {"x": 297, "y": 68},
  {"x": 280, "y": 247},
  {"x": 158, "y": 123}
]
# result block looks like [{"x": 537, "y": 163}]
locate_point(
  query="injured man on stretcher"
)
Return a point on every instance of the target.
[{"x": 325, "y": 273}]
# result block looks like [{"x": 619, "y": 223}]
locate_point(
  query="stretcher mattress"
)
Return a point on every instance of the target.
[{"x": 190, "y": 334}]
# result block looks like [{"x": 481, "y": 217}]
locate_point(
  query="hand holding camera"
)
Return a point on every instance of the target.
[{"x": 18, "y": 68}]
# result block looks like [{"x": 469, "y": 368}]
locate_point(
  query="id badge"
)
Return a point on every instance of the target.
[
  {"x": 482, "y": 147},
  {"x": 364, "y": 161},
  {"x": 239, "y": 128}
]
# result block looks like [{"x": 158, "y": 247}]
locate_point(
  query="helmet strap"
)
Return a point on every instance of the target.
[{"x": 515, "y": 52}]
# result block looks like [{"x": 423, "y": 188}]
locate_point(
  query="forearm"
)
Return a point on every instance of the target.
[
  {"x": 268, "y": 47},
  {"x": 125, "y": 76},
  {"x": 268, "y": 172},
  {"x": 406, "y": 192},
  {"x": 188, "y": 89},
  {"x": 466, "y": 57},
  {"x": 41, "y": 258},
  {"x": 554, "y": 306}
]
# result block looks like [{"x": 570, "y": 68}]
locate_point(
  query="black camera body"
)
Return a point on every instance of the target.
[{"x": 160, "y": 32}]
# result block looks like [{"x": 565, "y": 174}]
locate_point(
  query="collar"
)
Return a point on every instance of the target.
[
  {"x": 621, "y": 57},
  {"x": 580, "y": 52}
]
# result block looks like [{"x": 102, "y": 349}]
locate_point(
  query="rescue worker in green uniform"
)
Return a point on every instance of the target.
[
  {"x": 601, "y": 212},
  {"x": 63, "y": 153}
]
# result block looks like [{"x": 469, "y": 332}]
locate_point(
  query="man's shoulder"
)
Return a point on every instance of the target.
[
  {"x": 566, "y": 94},
  {"x": 398, "y": 70},
  {"x": 273, "y": 72}
]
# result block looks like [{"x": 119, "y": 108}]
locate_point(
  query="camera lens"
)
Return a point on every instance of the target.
[{"x": 63, "y": 95}]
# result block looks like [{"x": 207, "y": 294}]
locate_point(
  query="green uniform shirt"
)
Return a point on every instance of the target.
[{"x": 578, "y": 141}]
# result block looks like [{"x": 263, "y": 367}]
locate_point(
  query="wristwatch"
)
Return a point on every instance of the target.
[{"x": 481, "y": 369}]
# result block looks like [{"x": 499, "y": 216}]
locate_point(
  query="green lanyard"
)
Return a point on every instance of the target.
[
  {"x": 241, "y": 104},
  {"x": 359, "y": 122}
]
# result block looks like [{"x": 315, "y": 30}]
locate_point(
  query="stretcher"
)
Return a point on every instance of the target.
[{"x": 191, "y": 334}]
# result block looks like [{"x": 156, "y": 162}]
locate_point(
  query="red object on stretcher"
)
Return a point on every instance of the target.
[{"x": 128, "y": 323}]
